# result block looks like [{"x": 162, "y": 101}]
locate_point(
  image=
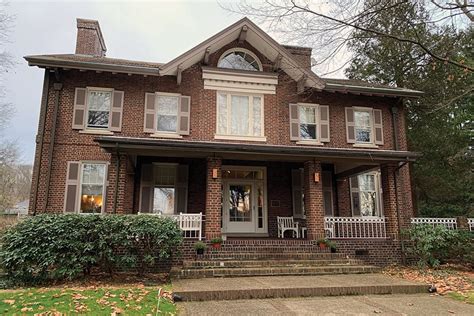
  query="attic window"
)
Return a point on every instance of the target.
[{"x": 240, "y": 59}]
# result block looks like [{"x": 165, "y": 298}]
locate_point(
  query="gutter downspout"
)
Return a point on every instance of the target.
[
  {"x": 39, "y": 139},
  {"x": 57, "y": 86},
  {"x": 396, "y": 173},
  {"x": 117, "y": 172}
]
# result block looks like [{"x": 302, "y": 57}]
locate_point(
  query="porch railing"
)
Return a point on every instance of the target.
[
  {"x": 449, "y": 223},
  {"x": 354, "y": 227},
  {"x": 470, "y": 222},
  {"x": 190, "y": 224}
]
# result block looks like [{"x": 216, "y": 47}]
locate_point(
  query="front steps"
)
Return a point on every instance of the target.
[
  {"x": 292, "y": 286},
  {"x": 246, "y": 258}
]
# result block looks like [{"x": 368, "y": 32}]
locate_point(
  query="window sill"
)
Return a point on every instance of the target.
[
  {"x": 309, "y": 142},
  {"x": 244, "y": 138},
  {"x": 166, "y": 135},
  {"x": 365, "y": 146},
  {"x": 96, "y": 132}
]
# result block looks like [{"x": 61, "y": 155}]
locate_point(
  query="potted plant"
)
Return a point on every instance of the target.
[
  {"x": 322, "y": 243},
  {"x": 332, "y": 245},
  {"x": 216, "y": 242},
  {"x": 200, "y": 247}
]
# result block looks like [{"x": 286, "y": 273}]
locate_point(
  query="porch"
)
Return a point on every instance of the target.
[{"x": 221, "y": 191}]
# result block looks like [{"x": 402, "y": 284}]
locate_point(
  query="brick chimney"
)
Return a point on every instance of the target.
[
  {"x": 301, "y": 54},
  {"x": 89, "y": 38}
]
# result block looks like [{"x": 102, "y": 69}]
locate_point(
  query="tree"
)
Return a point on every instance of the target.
[
  {"x": 439, "y": 123},
  {"x": 328, "y": 26}
]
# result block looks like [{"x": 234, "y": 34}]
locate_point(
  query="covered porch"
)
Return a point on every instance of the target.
[{"x": 238, "y": 191}]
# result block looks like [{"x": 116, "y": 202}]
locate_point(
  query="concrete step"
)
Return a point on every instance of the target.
[
  {"x": 270, "y": 271},
  {"x": 292, "y": 286},
  {"x": 231, "y": 255},
  {"x": 212, "y": 264}
]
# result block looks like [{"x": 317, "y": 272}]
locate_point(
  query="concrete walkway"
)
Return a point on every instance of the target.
[
  {"x": 292, "y": 286},
  {"x": 396, "y": 304}
]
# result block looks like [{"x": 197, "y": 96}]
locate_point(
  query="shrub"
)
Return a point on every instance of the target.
[
  {"x": 56, "y": 247},
  {"x": 431, "y": 246}
]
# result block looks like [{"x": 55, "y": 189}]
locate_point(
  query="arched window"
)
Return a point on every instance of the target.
[{"x": 241, "y": 59}]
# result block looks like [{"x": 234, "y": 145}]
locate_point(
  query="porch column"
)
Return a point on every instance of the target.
[
  {"x": 119, "y": 193},
  {"x": 213, "y": 197},
  {"x": 389, "y": 200},
  {"x": 313, "y": 200}
]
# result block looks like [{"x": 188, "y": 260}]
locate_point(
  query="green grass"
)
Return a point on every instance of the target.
[
  {"x": 98, "y": 301},
  {"x": 468, "y": 298}
]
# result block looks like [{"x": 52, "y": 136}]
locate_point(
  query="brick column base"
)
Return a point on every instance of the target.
[
  {"x": 213, "y": 198},
  {"x": 313, "y": 200}
]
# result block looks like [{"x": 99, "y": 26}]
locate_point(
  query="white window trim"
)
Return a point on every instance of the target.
[
  {"x": 371, "y": 143},
  {"x": 229, "y": 95},
  {"x": 97, "y": 130},
  {"x": 378, "y": 190},
  {"x": 79, "y": 186},
  {"x": 165, "y": 133},
  {"x": 306, "y": 141},
  {"x": 246, "y": 51}
]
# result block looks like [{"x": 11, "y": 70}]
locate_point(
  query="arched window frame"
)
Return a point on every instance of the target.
[{"x": 246, "y": 51}]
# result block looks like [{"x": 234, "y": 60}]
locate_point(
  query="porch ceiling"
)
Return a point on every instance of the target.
[{"x": 201, "y": 149}]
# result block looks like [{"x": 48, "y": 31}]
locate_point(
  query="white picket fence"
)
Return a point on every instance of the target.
[
  {"x": 355, "y": 227},
  {"x": 449, "y": 223},
  {"x": 190, "y": 224}
]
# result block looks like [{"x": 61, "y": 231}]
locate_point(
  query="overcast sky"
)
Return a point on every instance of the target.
[{"x": 151, "y": 31}]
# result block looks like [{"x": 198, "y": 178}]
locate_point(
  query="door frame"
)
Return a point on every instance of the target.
[{"x": 225, "y": 182}]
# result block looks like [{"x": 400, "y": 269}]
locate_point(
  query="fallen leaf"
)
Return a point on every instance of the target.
[{"x": 11, "y": 302}]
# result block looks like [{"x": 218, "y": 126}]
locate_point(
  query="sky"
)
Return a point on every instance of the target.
[{"x": 154, "y": 31}]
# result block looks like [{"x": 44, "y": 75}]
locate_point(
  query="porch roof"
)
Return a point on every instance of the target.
[{"x": 167, "y": 147}]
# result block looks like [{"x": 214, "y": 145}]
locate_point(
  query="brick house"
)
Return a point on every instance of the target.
[{"x": 238, "y": 129}]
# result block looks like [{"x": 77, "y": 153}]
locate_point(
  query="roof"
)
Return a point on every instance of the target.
[
  {"x": 253, "y": 34},
  {"x": 196, "y": 148}
]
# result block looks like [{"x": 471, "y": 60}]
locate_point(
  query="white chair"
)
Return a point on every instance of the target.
[{"x": 287, "y": 223}]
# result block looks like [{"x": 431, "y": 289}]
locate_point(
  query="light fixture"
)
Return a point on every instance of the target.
[
  {"x": 214, "y": 173},
  {"x": 316, "y": 177}
]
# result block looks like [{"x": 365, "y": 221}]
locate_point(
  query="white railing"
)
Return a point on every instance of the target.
[
  {"x": 190, "y": 224},
  {"x": 449, "y": 223},
  {"x": 470, "y": 222},
  {"x": 355, "y": 227}
]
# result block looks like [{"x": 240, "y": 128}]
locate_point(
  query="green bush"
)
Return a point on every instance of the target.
[
  {"x": 57, "y": 247},
  {"x": 431, "y": 246}
]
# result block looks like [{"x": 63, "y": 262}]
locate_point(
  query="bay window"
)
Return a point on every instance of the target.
[{"x": 239, "y": 115}]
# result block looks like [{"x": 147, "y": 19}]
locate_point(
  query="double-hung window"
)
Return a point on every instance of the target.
[
  {"x": 308, "y": 118},
  {"x": 92, "y": 187},
  {"x": 364, "y": 126},
  {"x": 167, "y": 113},
  {"x": 309, "y": 123},
  {"x": 366, "y": 194},
  {"x": 239, "y": 115},
  {"x": 98, "y": 111}
]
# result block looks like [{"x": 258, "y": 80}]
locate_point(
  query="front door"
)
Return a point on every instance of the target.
[
  {"x": 244, "y": 200},
  {"x": 239, "y": 207}
]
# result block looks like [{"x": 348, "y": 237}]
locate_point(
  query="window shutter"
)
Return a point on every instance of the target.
[
  {"x": 146, "y": 189},
  {"x": 181, "y": 187},
  {"x": 350, "y": 125},
  {"x": 378, "y": 127},
  {"x": 294, "y": 122},
  {"x": 149, "y": 124},
  {"x": 79, "y": 112},
  {"x": 324, "y": 123},
  {"x": 297, "y": 192},
  {"x": 72, "y": 186},
  {"x": 184, "y": 115},
  {"x": 116, "y": 111}
]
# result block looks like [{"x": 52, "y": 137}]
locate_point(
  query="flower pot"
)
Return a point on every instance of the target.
[
  {"x": 200, "y": 251},
  {"x": 322, "y": 245},
  {"x": 333, "y": 250},
  {"x": 216, "y": 245}
]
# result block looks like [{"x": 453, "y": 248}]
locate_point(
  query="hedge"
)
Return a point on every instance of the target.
[{"x": 47, "y": 248}]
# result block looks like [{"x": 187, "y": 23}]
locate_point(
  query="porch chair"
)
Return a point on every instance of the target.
[{"x": 287, "y": 223}]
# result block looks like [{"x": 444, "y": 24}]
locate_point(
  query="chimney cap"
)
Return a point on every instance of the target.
[{"x": 94, "y": 25}]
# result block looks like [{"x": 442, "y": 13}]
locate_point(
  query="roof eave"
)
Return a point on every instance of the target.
[
  {"x": 373, "y": 90},
  {"x": 44, "y": 62}
]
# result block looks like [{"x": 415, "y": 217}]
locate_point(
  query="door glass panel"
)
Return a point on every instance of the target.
[
  {"x": 240, "y": 208},
  {"x": 163, "y": 200},
  {"x": 260, "y": 206}
]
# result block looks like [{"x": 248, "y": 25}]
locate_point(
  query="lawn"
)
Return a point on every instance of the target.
[
  {"x": 93, "y": 301},
  {"x": 466, "y": 298}
]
